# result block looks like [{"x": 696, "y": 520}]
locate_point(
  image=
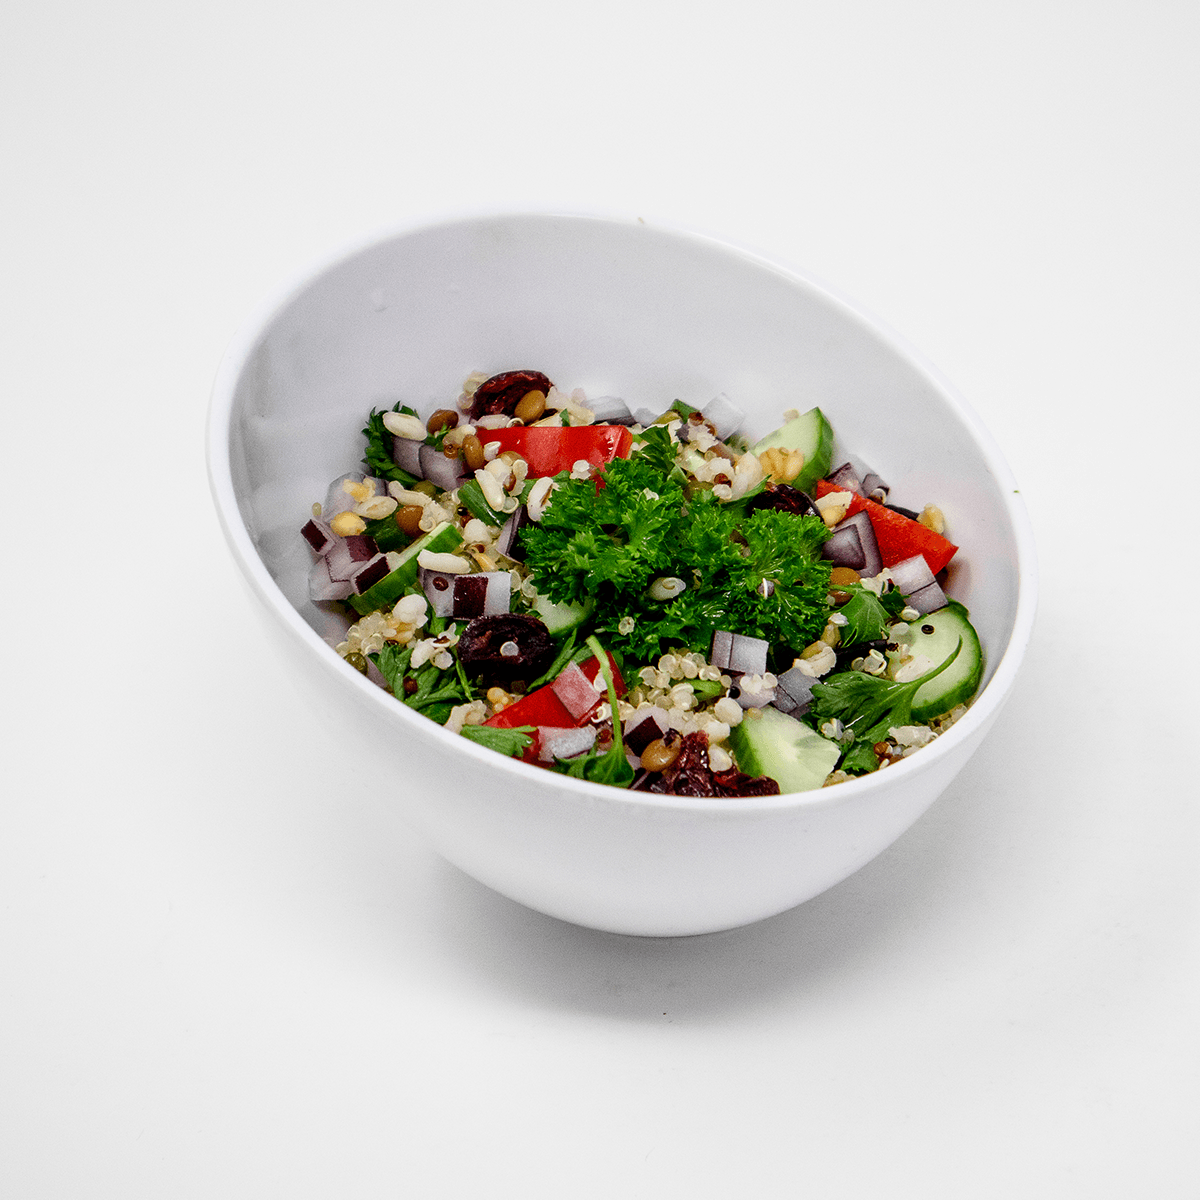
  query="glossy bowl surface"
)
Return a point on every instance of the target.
[{"x": 649, "y": 313}]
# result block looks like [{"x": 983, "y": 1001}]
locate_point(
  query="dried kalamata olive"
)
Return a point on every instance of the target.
[
  {"x": 505, "y": 647},
  {"x": 785, "y": 498},
  {"x": 735, "y": 783},
  {"x": 691, "y": 775},
  {"x": 502, "y": 393}
]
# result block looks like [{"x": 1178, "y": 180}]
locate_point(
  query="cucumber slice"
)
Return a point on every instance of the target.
[
  {"x": 796, "y": 757},
  {"x": 812, "y": 435},
  {"x": 560, "y": 619},
  {"x": 937, "y": 635},
  {"x": 442, "y": 539}
]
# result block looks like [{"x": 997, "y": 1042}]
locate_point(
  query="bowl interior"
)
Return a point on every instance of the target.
[{"x": 617, "y": 308}]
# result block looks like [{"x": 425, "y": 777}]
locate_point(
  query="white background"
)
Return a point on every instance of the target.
[{"x": 229, "y": 971}]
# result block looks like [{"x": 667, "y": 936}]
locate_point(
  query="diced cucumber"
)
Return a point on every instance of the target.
[
  {"x": 812, "y": 435},
  {"x": 441, "y": 539},
  {"x": 560, "y": 619},
  {"x": 936, "y": 636},
  {"x": 787, "y": 750}
]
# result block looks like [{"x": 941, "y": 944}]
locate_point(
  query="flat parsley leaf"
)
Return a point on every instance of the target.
[
  {"x": 512, "y": 742},
  {"x": 867, "y": 615},
  {"x": 378, "y": 459},
  {"x": 868, "y": 705}
]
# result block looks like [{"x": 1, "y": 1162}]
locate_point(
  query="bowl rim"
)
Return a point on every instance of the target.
[{"x": 217, "y": 443}]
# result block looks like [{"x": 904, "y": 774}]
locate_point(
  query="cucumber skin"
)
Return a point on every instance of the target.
[
  {"x": 960, "y": 681},
  {"x": 770, "y": 745},
  {"x": 442, "y": 539},
  {"x": 811, "y": 434}
]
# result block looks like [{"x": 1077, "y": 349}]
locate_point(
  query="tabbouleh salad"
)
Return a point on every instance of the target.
[{"x": 640, "y": 597}]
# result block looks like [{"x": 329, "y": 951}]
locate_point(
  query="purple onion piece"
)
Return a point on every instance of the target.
[
  {"x": 911, "y": 575},
  {"x": 482, "y": 594},
  {"x": 722, "y": 648},
  {"x": 575, "y": 690},
  {"x": 725, "y": 416},
  {"x": 446, "y": 473},
  {"x": 564, "y": 743},
  {"x": 643, "y": 728},
  {"x": 738, "y": 654},
  {"x": 348, "y": 555},
  {"x": 406, "y": 454},
  {"x": 322, "y": 587},
  {"x": 846, "y": 479},
  {"x": 927, "y": 599},
  {"x": 748, "y": 656},
  {"x": 610, "y": 410},
  {"x": 875, "y": 488},
  {"x": 438, "y": 587},
  {"x": 852, "y": 544},
  {"x": 793, "y": 695},
  {"x": 318, "y": 535},
  {"x": 785, "y": 498},
  {"x": 509, "y": 541},
  {"x": 370, "y": 573}
]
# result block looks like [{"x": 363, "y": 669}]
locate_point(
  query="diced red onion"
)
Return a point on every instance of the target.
[
  {"x": 911, "y": 575},
  {"x": 318, "y": 535},
  {"x": 793, "y": 693},
  {"x": 874, "y": 487},
  {"x": 348, "y": 555},
  {"x": 852, "y": 544},
  {"x": 610, "y": 410},
  {"x": 439, "y": 590},
  {"x": 447, "y": 473},
  {"x": 846, "y": 479},
  {"x": 725, "y": 416},
  {"x": 564, "y": 743},
  {"x": 927, "y": 599},
  {"x": 370, "y": 573},
  {"x": 722, "y": 647},
  {"x": 322, "y": 587},
  {"x": 738, "y": 654},
  {"x": 576, "y": 692},
  {"x": 482, "y": 594},
  {"x": 509, "y": 541},
  {"x": 406, "y": 454},
  {"x": 643, "y": 728}
]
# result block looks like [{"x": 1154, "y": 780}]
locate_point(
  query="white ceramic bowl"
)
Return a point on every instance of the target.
[{"x": 651, "y": 314}]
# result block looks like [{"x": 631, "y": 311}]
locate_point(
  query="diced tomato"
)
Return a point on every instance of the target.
[
  {"x": 899, "y": 537},
  {"x": 549, "y": 449},
  {"x": 543, "y": 707}
]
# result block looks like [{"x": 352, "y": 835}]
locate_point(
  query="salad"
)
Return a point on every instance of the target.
[{"x": 640, "y": 597}]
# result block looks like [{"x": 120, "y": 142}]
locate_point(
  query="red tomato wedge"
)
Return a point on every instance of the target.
[
  {"x": 549, "y": 449},
  {"x": 898, "y": 536},
  {"x": 543, "y": 707}
]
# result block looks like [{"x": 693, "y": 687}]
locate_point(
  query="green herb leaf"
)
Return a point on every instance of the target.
[
  {"x": 867, "y": 704},
  {"x": 611, "y": 545},
  {"x": 378, "y": 459},
  {"x": 513, "y": 742}
]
